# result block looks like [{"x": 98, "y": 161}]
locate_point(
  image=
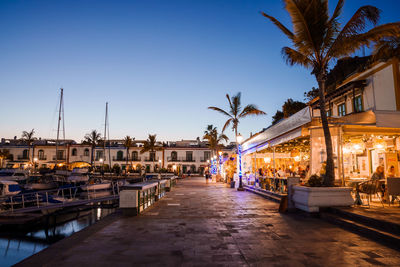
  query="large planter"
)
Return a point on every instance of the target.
[{"x": 310, "y": 199}]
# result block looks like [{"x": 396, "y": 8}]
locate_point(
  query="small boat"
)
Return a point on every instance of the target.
[
  {"x": 14, "y": 175},
  {"x": 9, "y": 188},
  {"x": 96, "y": 184},
  {"x": 40, "y": 183},
  {"x": 78, "y": 175}
]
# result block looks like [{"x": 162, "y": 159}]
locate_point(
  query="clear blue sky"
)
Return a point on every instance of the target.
[{"x": 159, "y": 64}]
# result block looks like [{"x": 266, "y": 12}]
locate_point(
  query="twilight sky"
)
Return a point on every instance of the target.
[{"x": 159, "y": 64}]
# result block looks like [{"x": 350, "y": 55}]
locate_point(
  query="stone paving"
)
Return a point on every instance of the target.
[{"x": 199, "y": 224}]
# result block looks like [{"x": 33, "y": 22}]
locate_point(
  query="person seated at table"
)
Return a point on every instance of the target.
[
  {"x": 391, "y": 172},
  {"x": 281, "y": 173},
  {"x": 379, "y": 174}
]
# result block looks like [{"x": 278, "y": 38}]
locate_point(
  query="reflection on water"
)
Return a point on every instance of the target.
[{"x": 16, "y": 246}]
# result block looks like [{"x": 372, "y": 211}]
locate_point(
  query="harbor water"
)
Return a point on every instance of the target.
[{"x": 16, "y": 245}]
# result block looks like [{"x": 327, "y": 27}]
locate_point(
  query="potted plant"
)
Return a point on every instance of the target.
[{"x": 313, "y": 195}]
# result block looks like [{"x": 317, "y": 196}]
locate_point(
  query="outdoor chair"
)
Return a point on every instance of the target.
[
  {"x": 370, "y": 188},
  {"x": 393, "y": 187}
]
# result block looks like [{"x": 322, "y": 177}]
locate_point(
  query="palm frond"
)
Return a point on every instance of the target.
[
  {"x": 333, "y": 26},
  {"x": 387, "y": 48},
  {"x": 350, "y": 44},
  {"x": 229, "y": 101},
  {"x": 227, "y": 124},
  {"x": 236, "y": 104},
  {"x": 285, "y": 30},
  {"x": 294, "y": 57},
  {"x": 251, "y": 110},
  {"x": 220, "y": 110}
]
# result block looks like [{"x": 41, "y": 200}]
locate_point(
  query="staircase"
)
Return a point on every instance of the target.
[{"x": 373, "y": 227}]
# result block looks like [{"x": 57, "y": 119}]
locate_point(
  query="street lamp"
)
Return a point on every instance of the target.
[
  {"x": 239, "y": 139},
  {"x": 159, "y": 169},
  {"x": 102, "y": 166}
]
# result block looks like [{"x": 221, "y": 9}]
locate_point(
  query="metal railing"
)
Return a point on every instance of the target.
[
  {"x": 59, "y": 158},
  {"x": 57, "y": 198},
  {"x": 181, "y": 159},
  {"x": 151, "y": 159}
]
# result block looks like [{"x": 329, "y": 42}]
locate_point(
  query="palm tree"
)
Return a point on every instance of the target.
[
  {"x": 93, "y": 138},
  {"x": 318, "y": 38},
  {"x": 128, "y": 142},
  {"x": 27, "y": 138},
  {"x": 4, "y": 154},
  {"x": 150, "y": 146},
  {"x": 214, "y": 139},
  {"x": 236, "y": 112}
]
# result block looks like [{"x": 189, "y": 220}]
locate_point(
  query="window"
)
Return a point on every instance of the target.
[
  {"x": 342, "y": 109},
  {"x": 189, "y": 156},
  {"x": 120, "y": 155},
  {"x": 152, "y": 156},
  {"x": 41, "y": 155},
  {"x": 206, "y": 155},
  {"x": 99, "y": 154},
  {"x": 74, "y": 152},
  {"x": 358, "y": 105},
  {"x": 86, "y": 152},
  {"x": 329, "y": 113},
  {"x": 60, "y": 155},
  {"x": 134, "y": 155},
  {"x": 25, "y": 154},
  {"x": 174, "y": 156}
]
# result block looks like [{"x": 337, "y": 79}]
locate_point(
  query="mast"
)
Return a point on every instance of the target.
[
  {"x": 108, "y": 135},
  {"x": 60, "y": 109},
  {"x": 105, "y": 134}
]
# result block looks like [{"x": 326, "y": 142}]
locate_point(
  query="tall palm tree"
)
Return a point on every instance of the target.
[
  {"x": 214, "y": 139},
  {"x": 236, "y": 112},
  {"x": 4, "y": 154},
  {"x": 93, "y": 138},
  {"x": 318, "y": 38},
  {"x": 27, "y": 138},
  {"x": 150, "y": 146},
  {"x": 128, "y": 142}
]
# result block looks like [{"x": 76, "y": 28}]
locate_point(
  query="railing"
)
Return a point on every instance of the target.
[
  {"x": 204, "y": 159},
  {"x": 57, "y": 198},
  {"x": 43, "y": 158},
  {"x": 119, "y": 159},
  {"x": 151, "y": 159},
  {"x": 136, "y": 159},
  {"x": 98, "y": 159},
  {"x": 59, "y": 158},
  {"x": 22, "y": 157},
  {"x": 182, "y": 159}
]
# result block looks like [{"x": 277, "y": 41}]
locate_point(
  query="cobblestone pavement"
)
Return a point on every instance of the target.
[{"x": 203, "y": 225}]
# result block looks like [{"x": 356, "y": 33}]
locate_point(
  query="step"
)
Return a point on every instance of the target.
[
  {"x": 381, "y": 224},
  {"x": 386, "y": 238},
  {"x": 266, "y": 194}
]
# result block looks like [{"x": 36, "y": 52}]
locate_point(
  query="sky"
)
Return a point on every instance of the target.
[{"x": 159, "y": 64}]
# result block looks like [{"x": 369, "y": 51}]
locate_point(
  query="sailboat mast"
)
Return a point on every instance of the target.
[
  {"x": 108, "y": 135},
  {"x": 105, "y": 134},
  {"x": 58, "y": 124}
]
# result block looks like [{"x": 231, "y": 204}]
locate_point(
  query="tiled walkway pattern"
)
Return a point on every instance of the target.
[{"x": 202, "y": 225}]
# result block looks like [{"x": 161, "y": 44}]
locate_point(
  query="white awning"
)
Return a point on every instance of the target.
[
  {"x": 281, "y": 128},
  {"x": 285, "y": 137}
]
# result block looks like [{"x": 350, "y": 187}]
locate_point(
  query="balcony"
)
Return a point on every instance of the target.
[
  {"x": 182, "y": 159},
  {"x": 119, "y": 159},
  {"x": 22, "y": 157},
  {"x": 151, "y": 159},
  {"x": 98, "y": 159},
  {"x": 59, "y": 158},
  {"x": 42, "y": 158}
]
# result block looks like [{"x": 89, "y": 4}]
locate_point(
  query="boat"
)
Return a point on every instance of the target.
[
  {"x": 40, "y": 183},
  {"x": 96, "y": 184},
  {"x": 14, "y": 175},
  {"x": 9, "y": 188}
]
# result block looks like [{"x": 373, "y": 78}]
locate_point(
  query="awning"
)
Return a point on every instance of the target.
[
  {"x": 390, "y": 119},
  {"x": 294, "y": 122},
  {"x": 286, "y": 137}
]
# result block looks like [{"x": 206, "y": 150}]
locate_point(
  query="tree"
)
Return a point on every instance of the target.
[
  {"x": 150, "y": 145},
  {"x": 290, "y": 107},
  {"x": 277, "y": 117},
  {"x": 318, "y": 38},
  {"x": 4, "y": 154},
  {"x": 310, "y": 95},
  {"x": 214, "y": 139},
  {"x": 128, "y": 142},
  {"x": 387, "y": 48},
  {"x": 236, "y": 112},
  {"x": 93, "y": 139},
  {"x": 27, "y": 138}
]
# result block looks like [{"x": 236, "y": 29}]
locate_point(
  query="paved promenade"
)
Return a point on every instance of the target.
[{"x": 203, "y": 225}]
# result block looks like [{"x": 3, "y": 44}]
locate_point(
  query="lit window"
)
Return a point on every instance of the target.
[
  {"x": 342, "y": 109},
  {"x": 358, "y": 106}
]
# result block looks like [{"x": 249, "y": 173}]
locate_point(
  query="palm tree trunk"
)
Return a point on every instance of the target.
[
  {"x": 127, "y": 158},
  {"x": 329, "y": 178},
  {"x": 91, "y": 157}
]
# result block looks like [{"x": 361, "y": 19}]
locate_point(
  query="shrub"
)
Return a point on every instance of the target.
[{"x": 314, "y": 181}]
